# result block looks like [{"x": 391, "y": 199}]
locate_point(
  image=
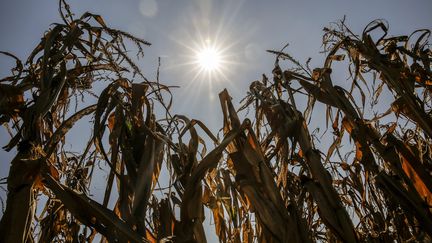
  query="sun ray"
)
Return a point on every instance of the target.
[{"x": 210, "y": 51}]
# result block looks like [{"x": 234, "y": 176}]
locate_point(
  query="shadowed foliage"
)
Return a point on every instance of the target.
[{"x": 268, "y": 177}]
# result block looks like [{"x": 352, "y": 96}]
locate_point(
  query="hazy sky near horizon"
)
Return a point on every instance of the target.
[{"x": 245, "y": 29}]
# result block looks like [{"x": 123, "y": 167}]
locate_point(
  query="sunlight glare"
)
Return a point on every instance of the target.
[{"x": 209, "y": 59}]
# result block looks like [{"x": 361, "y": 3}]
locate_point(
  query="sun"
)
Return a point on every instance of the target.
[{"x": 209, "y": 58}]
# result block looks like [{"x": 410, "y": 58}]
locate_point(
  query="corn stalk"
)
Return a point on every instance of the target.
[{"x": 265, "y": 180}]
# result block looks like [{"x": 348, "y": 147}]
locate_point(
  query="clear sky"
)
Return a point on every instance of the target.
[{"x": 244, "y": 29}]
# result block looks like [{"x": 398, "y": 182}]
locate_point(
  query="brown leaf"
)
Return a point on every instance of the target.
[{"x": 91, "y": 213}]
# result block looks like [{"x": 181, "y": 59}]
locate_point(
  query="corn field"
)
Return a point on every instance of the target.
[{"x": 266, "y": 177}]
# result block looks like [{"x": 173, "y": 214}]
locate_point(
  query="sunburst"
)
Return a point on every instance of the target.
[{"x": 209, "y": 59}]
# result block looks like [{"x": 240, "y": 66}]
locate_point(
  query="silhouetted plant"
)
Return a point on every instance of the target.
[{"x": 266, "y": 180}]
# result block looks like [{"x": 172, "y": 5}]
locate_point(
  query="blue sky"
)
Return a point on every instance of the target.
[{"x": 244, "y": 28}]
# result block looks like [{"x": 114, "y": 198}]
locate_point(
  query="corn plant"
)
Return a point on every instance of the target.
[{"x": 268, "y": 177}]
